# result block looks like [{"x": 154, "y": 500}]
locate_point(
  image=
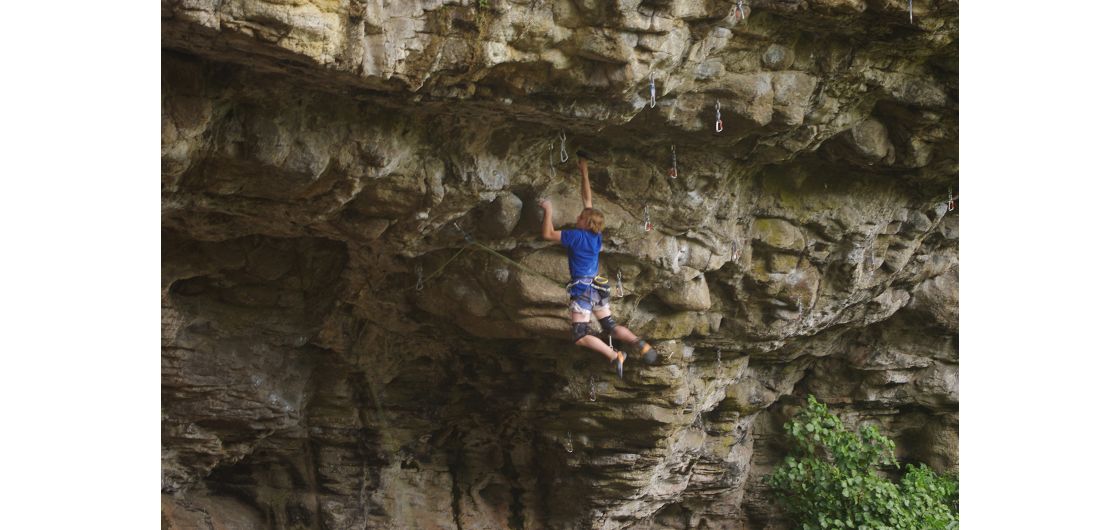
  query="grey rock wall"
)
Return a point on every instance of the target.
[{"x": 335, "y": 355}]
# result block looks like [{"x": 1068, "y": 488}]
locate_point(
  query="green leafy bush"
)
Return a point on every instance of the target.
[{"x": 831, "y": 480}]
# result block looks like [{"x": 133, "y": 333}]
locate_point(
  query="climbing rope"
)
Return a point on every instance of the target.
[
  {"x": 471, "y": 242},
  {"x": 673, "y": 170},
  {"x": 652, "y": 92},
  {"x": 719, "y": 121},
  {"x": 441, "y": 267}
]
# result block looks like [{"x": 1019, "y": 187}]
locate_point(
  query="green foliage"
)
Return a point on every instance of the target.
[{"x": 831, "y": 480}]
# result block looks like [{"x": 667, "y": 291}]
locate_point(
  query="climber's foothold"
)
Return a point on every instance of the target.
[{"x": 584, "y": 155}]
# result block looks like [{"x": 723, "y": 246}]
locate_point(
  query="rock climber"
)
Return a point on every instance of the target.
[{"x": 589, "y": 292}]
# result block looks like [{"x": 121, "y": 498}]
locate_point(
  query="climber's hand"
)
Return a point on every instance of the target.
[{"x": 545, "y": 204}]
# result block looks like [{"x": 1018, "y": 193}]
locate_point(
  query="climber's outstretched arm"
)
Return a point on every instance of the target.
[
  {"x": 548, "y": 231},
  {"x": 585, "y": 190}
]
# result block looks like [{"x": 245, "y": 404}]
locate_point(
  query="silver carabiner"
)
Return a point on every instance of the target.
[{"x": 652, "y": 92}]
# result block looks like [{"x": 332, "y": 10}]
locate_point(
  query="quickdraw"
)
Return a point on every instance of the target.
[
  {"x": 739, "y": 13},
  {"x": 419, "y": 277},
  {"x": 568, "y": 445},
  {"x": 673, "y": 170},
  {"x": 647, "y": 223},
  {"x": 952, "y": 201},
  {"x": 719, "y": 120},
  {"x": 652, "y": 92},
  {"x": 621, "y": 293},
  {"x": 563, "y": 147},
  {"x": 591, "y": 386},
  {"x": 911, "y": 2},
  {"x": 551, "y": 164},
  {"x": 736, "y": 252}
]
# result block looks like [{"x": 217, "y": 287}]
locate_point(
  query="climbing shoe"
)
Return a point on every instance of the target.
[
  {"x": 649, "y": 355},
  {"x": 617, "y": 362}
]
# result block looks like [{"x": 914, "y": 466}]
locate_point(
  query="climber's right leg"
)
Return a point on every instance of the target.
[{"x": 641, "y": 347}]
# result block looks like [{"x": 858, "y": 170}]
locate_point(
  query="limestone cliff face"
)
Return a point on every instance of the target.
[{"x": 336, "y": 355}]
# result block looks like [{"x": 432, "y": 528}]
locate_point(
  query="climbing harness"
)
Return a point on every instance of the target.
[
  {"x": 563, "y": 147},
  {"x": 673, "y": 170},
  {"x": 419, "y": 277},
  {"x": 911, "y": 2},
  {"x": 719, "y": 121},
  {"x": 952, "y": 202},
  {"x": 739, "y": 13},
  {"x": 648, "y": 225},
  {"x": 652, "y": 92}
]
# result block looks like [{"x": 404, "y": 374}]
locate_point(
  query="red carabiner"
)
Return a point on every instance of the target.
[
  {"x": 719, "y": 125},
  {"x": 649, "y": 226},
  {"x": 672, "y": 172}
]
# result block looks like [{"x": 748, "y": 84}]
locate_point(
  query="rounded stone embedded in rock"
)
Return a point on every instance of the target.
[{"x": 777, "y": 57}]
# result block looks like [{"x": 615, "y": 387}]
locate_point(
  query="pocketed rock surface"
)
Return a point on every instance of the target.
[{"x": 336, "y": 355}]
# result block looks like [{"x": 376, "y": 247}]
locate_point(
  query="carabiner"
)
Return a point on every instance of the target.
[{"x": 652, "y": 92}]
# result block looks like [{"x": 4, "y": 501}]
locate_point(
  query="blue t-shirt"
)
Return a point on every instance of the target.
[{"x": 583, "y": 251}]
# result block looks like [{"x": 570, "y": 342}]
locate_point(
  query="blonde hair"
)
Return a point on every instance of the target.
[{"x": 594, "y": 218}]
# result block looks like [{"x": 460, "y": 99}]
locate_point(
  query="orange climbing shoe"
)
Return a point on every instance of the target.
[{"x": 649, "y": 355}]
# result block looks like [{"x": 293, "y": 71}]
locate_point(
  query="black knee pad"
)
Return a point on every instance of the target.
[
  {"x": 608, "y": 324},
  {"x": 580, "y": 330}
]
